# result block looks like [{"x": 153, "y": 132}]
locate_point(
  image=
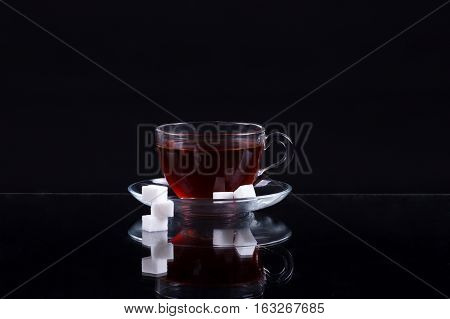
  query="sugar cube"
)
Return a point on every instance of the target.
[
  {"x": 244, "y": 237},
  {"x": 223, "y": 195},
  {"x": 162, "y": 251},
  {"x": 153, "y": 193},
  {"x": 245, "y": 191},
  {"x": 154, "y": 266},
  {"x": 161, "y": 181},
  {"x": 154, "y": 238},
  {"x": 152, "y": 223},
  {"x": 163, "y": 209},
  {"x": 223, "y": 237},
  {"x": 246, "y": 252}
]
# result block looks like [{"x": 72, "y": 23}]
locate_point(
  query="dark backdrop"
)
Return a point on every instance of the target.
[{"x": 382, "y": 126}]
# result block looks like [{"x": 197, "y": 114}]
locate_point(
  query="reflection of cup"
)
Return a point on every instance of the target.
[
  {"x": 200, "y": 158},
  {"x": 215, "y": 268},
  {"x": 200, "y": 270},
  {"x": 215, "y": 257}
]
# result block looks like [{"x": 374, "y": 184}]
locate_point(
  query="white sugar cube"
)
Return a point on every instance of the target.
[
  {"x": 246, "y": 252},
  {"x": 223, "y": 237},
  {"x": 153, "y": 266},
  {"x": 161, "y": 181},
  {"x": 245, "y": 191},
  {"x": 162, "y": 251},
  {"x": 163, "y": 209},
  {"x": 151, "y": 223},
  {"x": 223, "y": 195},
  {"x": 154, "y": 238},
  {"x": 153, "y": 193},
  {"x": 244, "y": 237}
]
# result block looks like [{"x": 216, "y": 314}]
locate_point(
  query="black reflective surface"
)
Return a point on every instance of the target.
[{"x": 409, "y": 255}]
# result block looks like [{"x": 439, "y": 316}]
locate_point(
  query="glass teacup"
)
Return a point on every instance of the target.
[{"x": 199, "y": 158}]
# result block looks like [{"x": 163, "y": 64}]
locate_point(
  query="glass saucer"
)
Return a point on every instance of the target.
[{"x": 268, "y": 192}]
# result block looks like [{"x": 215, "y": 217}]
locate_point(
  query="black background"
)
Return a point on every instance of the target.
[{"x": 382, "y": 126}]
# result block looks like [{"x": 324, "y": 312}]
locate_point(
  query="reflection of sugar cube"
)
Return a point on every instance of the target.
[
  {"x": 153, "y": 266},
  {"x": 163, "y": 209},
  {"x": 245, "y": 191},
  {"x": 223, "y": 195},
  {"x": 162, "y": 251},
  {"x": 246, "y": 252},
  {"x": 153, "y": 193},
  {"x": 244, "y": 237},
  {"x": 223, "y": 237},
  {"x": 152, "y": 223},
  {"x": 154, "y": 238}
]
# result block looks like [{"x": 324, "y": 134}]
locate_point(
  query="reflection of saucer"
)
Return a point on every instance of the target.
[
  {"x": 265, "y": 230},
  {"x": 268, "y": 193}
]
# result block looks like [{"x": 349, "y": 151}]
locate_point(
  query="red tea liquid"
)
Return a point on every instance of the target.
[{"x": 196, "y": 171}]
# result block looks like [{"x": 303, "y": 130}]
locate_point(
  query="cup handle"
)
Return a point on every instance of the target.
[
  {"x": 284, "y": 275},
  {"x": 284, "y": 140}
]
